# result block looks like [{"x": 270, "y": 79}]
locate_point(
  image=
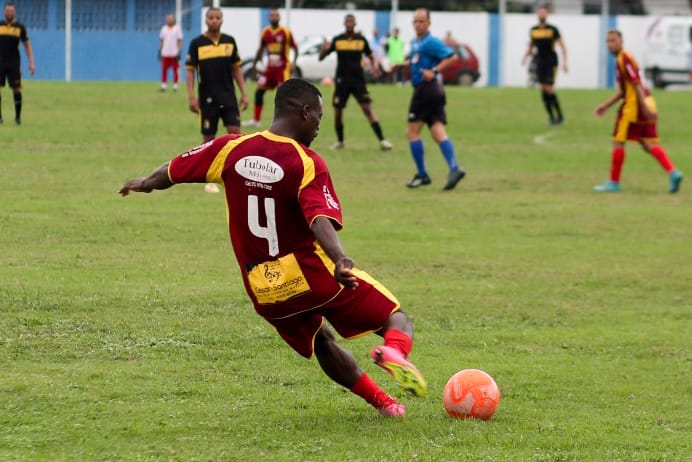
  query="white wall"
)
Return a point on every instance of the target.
[{"x": 582, "y": 34}]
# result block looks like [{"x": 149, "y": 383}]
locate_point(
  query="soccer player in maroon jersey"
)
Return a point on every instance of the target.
[
  {"x": 636, "y": 118},
  {"x": 277, "y": 41},
  {"x": 283, "y": 217}
]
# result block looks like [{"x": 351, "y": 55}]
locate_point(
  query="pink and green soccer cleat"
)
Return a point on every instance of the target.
[
  {"x": 392, "y": 409},
  {"x": 404, "y": 373}
]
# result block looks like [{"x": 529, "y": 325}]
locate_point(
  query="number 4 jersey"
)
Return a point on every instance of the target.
[{"x": 275, "y": 187}]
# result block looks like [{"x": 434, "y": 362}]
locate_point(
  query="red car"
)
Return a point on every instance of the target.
[{"x": 463, "y": 71}]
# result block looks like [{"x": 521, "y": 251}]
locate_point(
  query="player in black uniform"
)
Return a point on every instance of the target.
[
  {"x": 11, "y": 33},
  {"x": 350, "y": 79},
  {"x": 543, "y": 38},
  {"x": 214, "y": 57}
]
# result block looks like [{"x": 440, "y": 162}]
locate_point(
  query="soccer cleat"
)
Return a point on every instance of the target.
[
  {"x": 675, "y": 178},
  {"x": 608, "y": 186},
  {"x": 419, "y": 180},
  {"x": 336, "y": 146},
  {"x": 385, "y": 145},
  {"x": 0, "y": 120},
  {"x": 453, "y": 178},
  {"x": 251, "y": 123},
  {"x": 211, "y": 188},
  {"x": 404, "y": 373},
  {"x": 392, "y": 409},
  {"x": 17, "y": 121}
]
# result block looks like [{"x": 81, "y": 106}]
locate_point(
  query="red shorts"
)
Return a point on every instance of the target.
[
  {"x": 353, "y": 313},
  {"x": 631, "y": 124},
  {"x": 273, "y": 77}
]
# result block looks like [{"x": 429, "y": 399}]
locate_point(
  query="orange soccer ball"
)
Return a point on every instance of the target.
[{"x": 471, "y": 393}]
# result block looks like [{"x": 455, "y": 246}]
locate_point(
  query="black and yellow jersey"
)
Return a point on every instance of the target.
[
  {"x": 349, "y": 52},
  {"x": 543, "y": 38},
  {"x": 214, "y": 63},
  {"x": 10, "y": 36}
]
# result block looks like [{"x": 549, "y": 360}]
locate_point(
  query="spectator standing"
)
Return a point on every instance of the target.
[{"x": 171, "y": 43}]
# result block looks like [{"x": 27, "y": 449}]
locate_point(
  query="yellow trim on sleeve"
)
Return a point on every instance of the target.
[
  {"x": 308, "y": 163},
  {"x": 216, "y": 167}
]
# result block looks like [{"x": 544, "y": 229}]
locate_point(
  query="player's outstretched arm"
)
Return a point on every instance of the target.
[
  {"x": 157, "y": 180},
  {"x": 326, "y": 235},
  {"x": 602, "y": 108}
]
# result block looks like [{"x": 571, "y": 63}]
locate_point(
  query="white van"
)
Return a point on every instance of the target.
[{"x": 668, "y": 52}]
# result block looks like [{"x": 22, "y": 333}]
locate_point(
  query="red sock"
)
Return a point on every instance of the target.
[
  {"x": 397, "y": 339},
  {"x": 660, "y": 155},
  {"x": 367, "y": 389},
  {"x": 258, "y": 111},
  {"x": 616, "y": 164}
]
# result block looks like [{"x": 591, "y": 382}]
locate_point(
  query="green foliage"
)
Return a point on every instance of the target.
[{"x": 126, "y": 334}]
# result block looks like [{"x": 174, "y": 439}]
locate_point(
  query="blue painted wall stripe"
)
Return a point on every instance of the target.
[
  {"x": 381, "y": 23},
  {"x": 494, "y": 41},
  {"x": 610, "y": 76}
]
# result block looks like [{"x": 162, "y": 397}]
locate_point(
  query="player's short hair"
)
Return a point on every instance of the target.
[
  {"x": 427, "y": 12},
  {"x": 349, "y": 15},
  {"x": 9, "y": 4},
  {"x": 615, "y": 31},
  {"x": 294, "y": 93},
  {"x": 212, "y": 9}
]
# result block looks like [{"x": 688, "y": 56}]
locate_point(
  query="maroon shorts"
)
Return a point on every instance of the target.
[
  {"x": 631, "y": 125},
  {"x": 353, "y": 313},
  {"x": 273, "y": 77}
]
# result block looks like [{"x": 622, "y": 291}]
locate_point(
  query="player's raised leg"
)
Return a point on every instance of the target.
[{"x": 393, "y": 355}]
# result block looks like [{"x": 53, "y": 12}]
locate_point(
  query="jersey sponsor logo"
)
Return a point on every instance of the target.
[
  {"x": 350, "y": 45},
  {"x": 331, "y": 203},
  {"x": 11, "y": 31},
  {"x": 259, "y": 169},
  {"x": 223, "y": 50},
  {"x": 538, "y": 34}
]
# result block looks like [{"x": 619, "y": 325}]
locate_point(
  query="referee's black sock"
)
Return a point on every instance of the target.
[
  {"x": 547, "y": 103},
  {"x": 0, "y": 106},
  {"x": 340, "y": 133},
  {"x": 17, "y": 105},
  {"x": 377, "y": 129},
  {"x": 556, "y": 105}
]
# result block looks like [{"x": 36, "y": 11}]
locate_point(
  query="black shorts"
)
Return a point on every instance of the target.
[
  {"x": 428, "y": 103},
  {"x": 345, "y": 87},
  {"x": 12, "y": 74},
  {"x": 545, "y": 71},
  {"x": 213, "y": 110}
]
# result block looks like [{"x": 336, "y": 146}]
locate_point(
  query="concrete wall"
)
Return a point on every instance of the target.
[{"x": 498, "y": 42}]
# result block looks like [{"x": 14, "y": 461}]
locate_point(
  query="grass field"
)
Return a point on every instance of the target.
[{"x": 125, "y": 332}]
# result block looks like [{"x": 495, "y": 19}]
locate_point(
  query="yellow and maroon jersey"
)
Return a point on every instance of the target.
[
  {"x": 627, "y": 76},
  {"x": 275, "y": 188},
  {"x": 278, "y": 42}
]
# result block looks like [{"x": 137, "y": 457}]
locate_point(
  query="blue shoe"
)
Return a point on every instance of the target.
[
  {"x": 609, "y": 186},
  {"x": 675, "y": 178}
]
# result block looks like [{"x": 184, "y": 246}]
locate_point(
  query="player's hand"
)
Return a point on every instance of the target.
[
  {"x": 600, "y": 110},
  {"x": 564, "y": 68},
  {"x": 243, "y": 101},
  {"x": 32, "y": 68},
  {"x": 343, "y": 273},
  {"x": 428, "y": 74},
  {"x": 135, "y": 184},
  {"x": 193, "y": 104}
]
